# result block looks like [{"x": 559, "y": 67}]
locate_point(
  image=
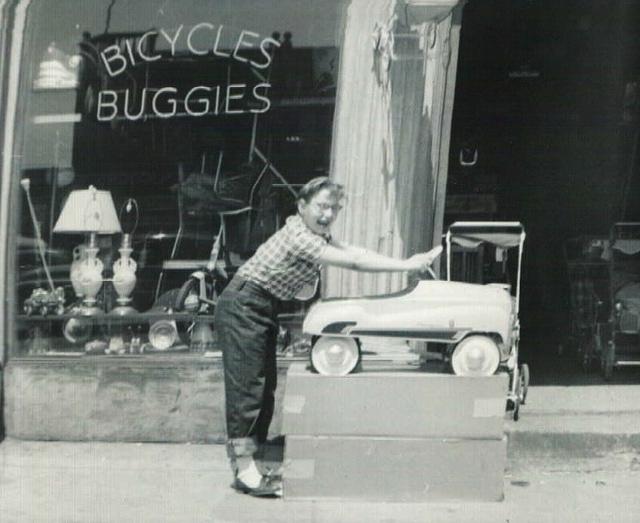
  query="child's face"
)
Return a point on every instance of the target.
[{"x": 321, "y": 211}]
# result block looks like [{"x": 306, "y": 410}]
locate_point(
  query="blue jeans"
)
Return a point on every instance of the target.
[{"x": 246, "y": 324}]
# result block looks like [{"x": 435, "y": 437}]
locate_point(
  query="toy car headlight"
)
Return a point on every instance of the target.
[
  {"x": 475, "y": 356},
  {"x": 335, "y": 356}
]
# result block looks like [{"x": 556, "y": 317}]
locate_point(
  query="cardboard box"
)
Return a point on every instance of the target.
[
  {"x": 393, "y": 469},
  {"x": 407, "y": 403}
]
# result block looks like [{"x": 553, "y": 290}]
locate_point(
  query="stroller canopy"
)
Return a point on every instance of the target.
[
  {"x": 627, "y": 246},
  {"x": 500, "y": 234}
]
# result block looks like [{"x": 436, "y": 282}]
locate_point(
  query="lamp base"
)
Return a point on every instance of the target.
[
  {"x": 90, "y": 310},
  {"x": 123, "y": 310}
]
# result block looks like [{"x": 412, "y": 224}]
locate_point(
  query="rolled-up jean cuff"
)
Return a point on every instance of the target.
[{"x": 241, "y": 447}]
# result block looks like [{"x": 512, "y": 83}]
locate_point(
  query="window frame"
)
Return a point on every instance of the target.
[{"x": 13, "y": 15}]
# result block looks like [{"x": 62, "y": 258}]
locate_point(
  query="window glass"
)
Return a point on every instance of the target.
[{"x": 147, "y": 130}]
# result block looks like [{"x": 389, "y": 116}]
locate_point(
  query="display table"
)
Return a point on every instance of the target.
[
  {"x": 394, "y": 435},
  {"x": 137, "y": 398}
]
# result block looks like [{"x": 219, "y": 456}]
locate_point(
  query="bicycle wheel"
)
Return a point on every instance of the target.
[{"x": 187, "y": 297}]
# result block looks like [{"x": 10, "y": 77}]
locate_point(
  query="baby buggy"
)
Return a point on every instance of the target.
[
  {"x": 620, "y": 340},
  {"x": 477, "y": 324}
]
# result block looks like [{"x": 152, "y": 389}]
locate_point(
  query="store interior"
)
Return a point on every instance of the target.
[
  {"x": 545, "y": 131},
  {"x": 197, "y": 134}
]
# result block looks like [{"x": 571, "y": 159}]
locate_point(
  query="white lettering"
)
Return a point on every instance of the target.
[
  {"x": 267, "y": 102},
  {"x": 217, "y": 106},
  {"x": 216, "y": 51},
  {"x": 142, "y": 104},
  {"x": 243, "y": 43},
  {"x": 264, "y": 49},
  {"x": 141, "y": 41},
  {"x": 200, "y": 52},
  {"x": 204, "y": 101},
  {"x": 116, "y": 56},
  {"x": 127, "y": 43},
  {"x": 172, "y": 102},
  {"x": 173, "y": 40},
  {"x": 109, "y": 104},
  {"x": 230, "y": 97}
]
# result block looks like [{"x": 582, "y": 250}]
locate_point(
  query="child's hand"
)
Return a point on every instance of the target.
[{"x": 422, "y": 261}]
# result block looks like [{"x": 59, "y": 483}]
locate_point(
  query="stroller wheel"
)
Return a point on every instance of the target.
[
  {"x": 607, "y": 360},
  {"x": 524, "y": 382},
  {"x": 516, "y": 409}
]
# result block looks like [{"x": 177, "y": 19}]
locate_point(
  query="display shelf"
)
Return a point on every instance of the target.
[
  {"x": 579, "y": 264},
  {"x": 108, "y": 319},
  {"x": 157, "y": 358}
]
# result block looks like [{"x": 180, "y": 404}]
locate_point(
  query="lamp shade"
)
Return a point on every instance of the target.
[{"x": 88, "y": 210}]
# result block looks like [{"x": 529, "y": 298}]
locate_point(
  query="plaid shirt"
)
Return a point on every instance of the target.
[{"x": 287, "y": 261}]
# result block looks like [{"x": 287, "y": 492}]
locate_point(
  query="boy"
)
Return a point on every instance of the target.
[{"x": 246, "y": 317}]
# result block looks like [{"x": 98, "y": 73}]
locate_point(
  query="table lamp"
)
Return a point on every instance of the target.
[
  {"x": 91, "y": 212},
  {"x": 124, "y": 268}
]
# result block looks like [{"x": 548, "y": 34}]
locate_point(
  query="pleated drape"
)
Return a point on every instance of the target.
[{"x": 384, "y": 149}]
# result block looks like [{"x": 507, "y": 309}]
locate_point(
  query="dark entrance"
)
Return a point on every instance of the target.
[{"x": 545, "y": 131}]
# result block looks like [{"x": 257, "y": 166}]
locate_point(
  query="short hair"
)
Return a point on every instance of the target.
[{"x": 314, "y": 186}]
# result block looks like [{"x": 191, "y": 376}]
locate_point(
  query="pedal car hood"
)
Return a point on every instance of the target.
[{"x": 438, "y": 311}]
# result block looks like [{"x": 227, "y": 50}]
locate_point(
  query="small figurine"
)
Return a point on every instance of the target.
[
  {"x": 116, "y": 346},
  {"x": 45, "y": 302},
  {"x": 96, "y": 347}
]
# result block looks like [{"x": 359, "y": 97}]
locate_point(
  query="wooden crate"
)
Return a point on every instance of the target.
[
  {"x": 394, "y": 469},
  {"x": 407, "y": 403}
]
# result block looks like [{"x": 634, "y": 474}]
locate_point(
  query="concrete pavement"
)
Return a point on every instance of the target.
[
  {"x": 111, "y": 482},
  {"x": 573, "y": 456},
  {"x": 578, "y": 421}
]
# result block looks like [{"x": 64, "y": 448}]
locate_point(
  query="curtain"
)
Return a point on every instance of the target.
[{"x": 386, "y": 142}]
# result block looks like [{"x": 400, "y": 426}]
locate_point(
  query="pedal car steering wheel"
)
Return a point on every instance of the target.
[{"x": 429, "y": 274}]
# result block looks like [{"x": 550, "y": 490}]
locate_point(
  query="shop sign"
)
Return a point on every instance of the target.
[{"x": 199, "y": 100}]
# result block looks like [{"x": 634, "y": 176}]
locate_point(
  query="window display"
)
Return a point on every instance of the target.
[{"x": 158, "y": 145}]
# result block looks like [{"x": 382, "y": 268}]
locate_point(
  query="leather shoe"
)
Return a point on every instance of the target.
[{"x": 269, "y": 488}]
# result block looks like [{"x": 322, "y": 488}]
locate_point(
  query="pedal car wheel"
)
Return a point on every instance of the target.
[
  {"x": 475, "y": 356},
  {"x": 335, "y": 356},
  {"x": 524, "y": 382},
  {"x": 187, "y": 297}
]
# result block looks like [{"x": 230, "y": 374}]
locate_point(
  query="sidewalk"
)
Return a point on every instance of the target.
[
  {"x": 573, "y": 456},
  {"x": 119, "y": 483},
  {"x": 578, "y": 421}
]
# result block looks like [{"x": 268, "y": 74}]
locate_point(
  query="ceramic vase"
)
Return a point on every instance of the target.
[
  {"x": 79, "y": 255},
  {"x": 91, "y": 276},
  {"x": 124, "y": 275}
]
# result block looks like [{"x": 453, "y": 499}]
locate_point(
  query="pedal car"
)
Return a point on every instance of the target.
[{"x": 477, "y": 323}]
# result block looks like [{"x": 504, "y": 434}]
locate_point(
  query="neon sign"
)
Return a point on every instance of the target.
[{"x": 200, "y": 100}]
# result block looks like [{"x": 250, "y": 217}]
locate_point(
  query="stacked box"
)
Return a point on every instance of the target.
[{"x": 394, "y": 436}]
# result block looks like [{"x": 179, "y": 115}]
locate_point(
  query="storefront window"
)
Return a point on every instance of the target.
[{"x": 151, "y": 134}]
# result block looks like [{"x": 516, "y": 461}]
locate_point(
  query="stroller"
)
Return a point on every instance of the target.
[
  {"x": 619, "y": 339},
  {"x": 588, "y": 274},
  {"x": 490, "y": 244}
]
